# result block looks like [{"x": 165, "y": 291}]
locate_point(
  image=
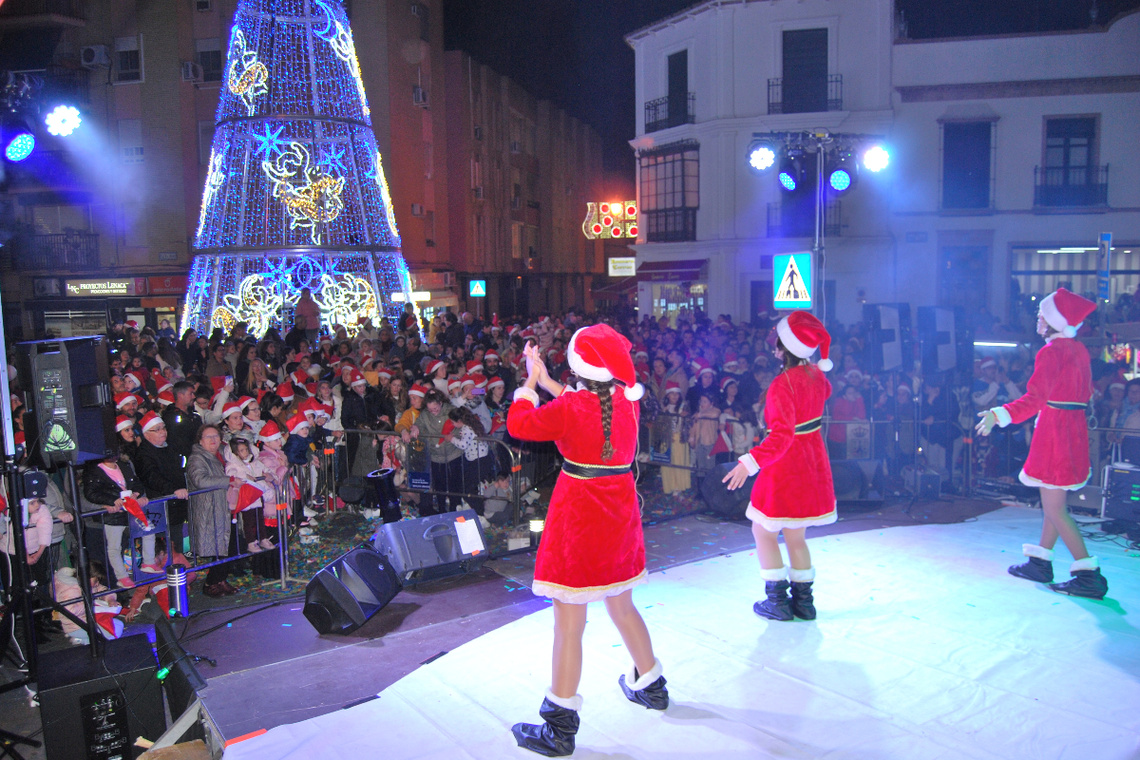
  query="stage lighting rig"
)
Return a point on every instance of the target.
[
  {"x": 762, "y": 155},
  {"x": 63, "y": 120},
  {"x": 791, "y": 174},
  {"x": 19, "y": 139},
  {"x": 841, "y": 172}
]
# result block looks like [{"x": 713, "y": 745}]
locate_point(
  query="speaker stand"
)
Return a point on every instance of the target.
[{"x": 9, "y": 741}]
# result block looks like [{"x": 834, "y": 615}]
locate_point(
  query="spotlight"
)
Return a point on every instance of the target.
[
  {"x": 19, "y": 140},
  {"x": 841, "y": 174},
  {"x": 876, "y": 158},
  {"x": 762, "y": 155},
  {"x": 792, "y": 170},
  {"x": 63, "y": 120}
]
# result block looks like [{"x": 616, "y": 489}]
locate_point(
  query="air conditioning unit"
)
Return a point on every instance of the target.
[
  {"x": 191, "y": 71},
  {"x": 94, "y": 57},
  {"x": 205, "y": 6},
  {"x": 46, "y": 286},
  {"x": 516, "y": 146},
  {"x": 478, "y": 190},
  {"x": 448, "y": 279},
  {"x": 429, "y": 243},
  {"x": 516, "y": 203},
  {"x": 478, "y": 133},
  {"x": 417, "y": 209},
  {"x": 419, "y": 96}
]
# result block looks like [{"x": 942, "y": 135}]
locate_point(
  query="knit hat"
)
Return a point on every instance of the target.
[
  {"x": 802, "y": 333},
  {"x": 297, "y": 423},
  {"x": 601, "y": 353},
  {"x": 269, "y": 431},
  {"x": 149, "y": 420},
  {"x": 123, "y": 423},
  {"x": 1065, "y": 311}
]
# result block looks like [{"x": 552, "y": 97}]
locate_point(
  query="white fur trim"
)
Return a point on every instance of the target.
[
  {"x": 1048, "y": 309},
  {"x": 791, "y": 342},
  {"x": 1088, "y": 563},
  {"x": 530, "y": 395},
  {"x": 637, "y": 684},
  {"x": 570, "y": 703},
  {"x": 1070, "y": 331},
  {"x": 774, "y": 573},
  {"x": 571, "y": 595},
  {"x": 581, "y": 368},
  {"x": 1003, "y": 417},
  {"x": 826, "y": 365},
  {"x": 750, "y": 463},
  {"x": 1040, "y": 552},
  {"x": 776, "y": 524},
  {"x": 635, "y": 393},
  {"x": 801, "y": 576},
  {"x": 1033, "y": 482}
]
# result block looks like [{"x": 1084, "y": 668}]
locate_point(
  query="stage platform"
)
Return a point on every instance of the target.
[{"x": 924, "y": 648}]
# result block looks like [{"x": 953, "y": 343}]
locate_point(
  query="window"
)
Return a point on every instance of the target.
[
  {"x": 128, "y": 59},
  {"x": 130, "y": 141},
  {"x": 805, "y": 71},
  {"x": 53, "y": 220},
  {"x": 423, "y": 13},
  {"x": 1069, "y": 146},
  {"x": 205, "y": 141},
  {"x": 967, "y": 148},
  {"x": 208, "y": 54},
  {"x": 670, "y": 191}
]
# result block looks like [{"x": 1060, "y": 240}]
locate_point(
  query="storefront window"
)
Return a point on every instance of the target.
[{"x": 677, "y": 299}]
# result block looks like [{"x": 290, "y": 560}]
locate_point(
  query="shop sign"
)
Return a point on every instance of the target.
[
  {"x": 622, "y": 266},
  {"x": 174, "y": 285},
  {"x": 109, "y": 286}
]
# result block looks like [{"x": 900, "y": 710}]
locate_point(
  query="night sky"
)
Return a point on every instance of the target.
[{"x": 574, "y": 53}]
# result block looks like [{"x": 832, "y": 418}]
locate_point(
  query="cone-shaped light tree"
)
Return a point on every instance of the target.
[{"x": 295, "y": 192}]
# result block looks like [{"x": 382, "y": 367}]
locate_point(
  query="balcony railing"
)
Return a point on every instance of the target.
[
  {"x": 792, "y": 221},
  {"x": 15, "y": 13},
  {"x": 64, "y": 251},
  {"x": 670, "y": 111},
  {"x": 1070, "y": 187},
  {"x": 806, "y": 99},
  {"x": 670, "y": 225}
]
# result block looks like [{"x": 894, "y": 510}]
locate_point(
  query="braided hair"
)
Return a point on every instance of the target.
[{"x": 603, "y": 390}]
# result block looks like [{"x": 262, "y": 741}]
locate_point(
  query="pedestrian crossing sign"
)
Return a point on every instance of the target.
[
  {"x": 792, "y": 281},
  {"x": 478, "y": 288}
]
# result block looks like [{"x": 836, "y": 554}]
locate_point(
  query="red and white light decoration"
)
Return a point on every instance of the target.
[{"x": 610, "y": 220}]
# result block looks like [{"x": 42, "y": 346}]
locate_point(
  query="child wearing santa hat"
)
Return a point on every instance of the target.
[
  {"x": 794, "y": 490},
  {"x": 1057, "y": 394},
  {"x": 593, "y": 547}
]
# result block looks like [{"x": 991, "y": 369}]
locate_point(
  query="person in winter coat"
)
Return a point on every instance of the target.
[
  {"x": 446, "y": 459},
  {"x": 1058, "y": 394},
  {"x": 794, "y": 490},
  {"x": 592, "y": 547},
  {"x": 211, "y": 533},
  {"x": 246, "y": 494},
  {"x": 275, "y": 466},
  {"x": 106, "y": 485}
]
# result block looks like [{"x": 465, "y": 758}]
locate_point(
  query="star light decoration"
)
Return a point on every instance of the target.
[
  {"x": 340, "y": 40},
  {"x": 610, "y": 220}
]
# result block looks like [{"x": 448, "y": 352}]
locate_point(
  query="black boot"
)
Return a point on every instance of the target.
[
  {"x": 1086, "y": 581},
  {"x": 647, "y": 690},
  {"x": 555, "y": 737},
  {"x": 803, "y": 605},
  {"x": 777, "y": 606},
  {"x": 1039, "y": 568}
]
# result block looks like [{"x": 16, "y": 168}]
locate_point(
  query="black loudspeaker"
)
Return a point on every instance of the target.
[
  {"x": 888, "y": 327},
  {"x": 1122, "y": 494},
  {"x": 725, "y": 503},
  {"x": 71, "y": 417},
  {"x": 96, "y": 708},
  {"x": 351, "y": 589},
  {"x": 183, "y": 681},
  {"x": 938, "y": 337}
]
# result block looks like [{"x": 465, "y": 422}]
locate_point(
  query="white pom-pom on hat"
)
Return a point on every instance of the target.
[
  {"x": 802, "y": 333},
  {"x": 1065, "y": 311},
  {"x": 826, "y": 365},
  {"x": 635, "y": 392}
]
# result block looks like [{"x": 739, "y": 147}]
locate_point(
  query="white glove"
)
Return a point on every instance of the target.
[{"x": 989, "y": 420}]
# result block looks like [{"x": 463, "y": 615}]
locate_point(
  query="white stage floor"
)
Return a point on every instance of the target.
[{"x": 924, "y": 649}]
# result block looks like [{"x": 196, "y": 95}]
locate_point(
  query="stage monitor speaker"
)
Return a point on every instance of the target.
[
  {"x": 433, "y": 547},
  {"x": 71, "y": 417},
  {"x": 350, "y": 590},
  {"x": 728, "y": 504},
  {"x": 97, "y": 708},
  {"x": 888, "y": 328},
  {"x": 183, "y": 681},
  {"x": 1122, "y": 494}
]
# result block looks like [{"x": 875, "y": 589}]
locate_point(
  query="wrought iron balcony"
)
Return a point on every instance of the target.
[
  {"x": 16, "y": 14},
  {"x": 670, "y": 111},
  {"x": 792, "y": 221},
  {"x": 670, "y": 225},
  {"x": 64, "y": 251},
  {"x": 805, "y": 99},
  {"x": 1070, "y": 187}
]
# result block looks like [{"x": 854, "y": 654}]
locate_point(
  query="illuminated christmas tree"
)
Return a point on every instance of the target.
[{"x": 295, "y": 192}]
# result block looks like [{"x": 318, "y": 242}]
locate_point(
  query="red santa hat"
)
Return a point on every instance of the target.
[
  {"x": 356, "y": 378},
  {"x": 217, "y": 383},
  {"x": 465, "y": 381},
  {"x": 122, "y": 399},
  {"x": 601, "y": 353},
  {"x": 384, "y": 372},
  {"x": 474, "y": 367},
  {"x": 1065, "y": 311},
  {"x": 479, "y": 380},
  {"x": 496, "y": 382},
  {"x": 231, "y": 407},
  {"x": 417, "y": 390},
  {"x": 987, "y": 361},
  {"x": 297, "y": 423},
  {"x": 724, "y": 383},
  {"x": 448, "y": 428},
  {"x": 492, "y": 354},
  {"x": 134, "y": 325},
  {"x": 245, "y": 401},
  {"x": 285, "y": 392},
  {"x": 247, "y": 496},
  {"x": 454, "y": 384},
  {"x": 802, "y": 333},
  {"x": 269, "y": 432},
  {"x": 672, "y": 386},
  {"x": 123, "y": 423},
  {"x": 150, "y": 420},
  {"x": 299, "y": 377},
  {"x": 433, "y": 366},
  {"x": 136, "y": 379},
  {"x": 308, "y": 406},
  {"x": 166, "y": 397},
  {"x": 327, "y": 410},
  {"x": 311, "y": 389},
  {"x": 160, "y": 381}
]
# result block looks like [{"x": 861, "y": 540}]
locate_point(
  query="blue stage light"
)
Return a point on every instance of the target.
[
  {"x": 876, "y": 158},
  {"x": 839, "y": 180},
  {"x": 20, "y": 146},
  {"x": 788, "y": 180},
  {"x": 63, "y": 120}
]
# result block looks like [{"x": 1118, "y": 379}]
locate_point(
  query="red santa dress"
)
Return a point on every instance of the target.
[
  {"x": 794, "y": 489},
  {"x": 1058, "y": 393},
  {"x": 592, "y": 545}
]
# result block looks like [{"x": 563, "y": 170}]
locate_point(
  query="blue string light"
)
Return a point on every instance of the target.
[{"x": 295, "y": 194}]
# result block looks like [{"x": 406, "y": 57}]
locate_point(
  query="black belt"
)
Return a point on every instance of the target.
[
  {"x": 587, "y": 471},
  {"x": 809, "y": 427},
  {"x": 1072, "y": 405}
]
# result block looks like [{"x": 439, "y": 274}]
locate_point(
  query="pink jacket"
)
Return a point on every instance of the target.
[{"x": 244, "y": 472}]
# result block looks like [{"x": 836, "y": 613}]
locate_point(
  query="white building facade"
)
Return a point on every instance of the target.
[{"x": 1004, "y": 151}]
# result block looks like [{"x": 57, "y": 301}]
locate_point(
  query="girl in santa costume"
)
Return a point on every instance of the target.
[
  {"x": 592, "y": 547},
  {"x": 794, "y": 490},
  {"x": 1058, "y": 393}
]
